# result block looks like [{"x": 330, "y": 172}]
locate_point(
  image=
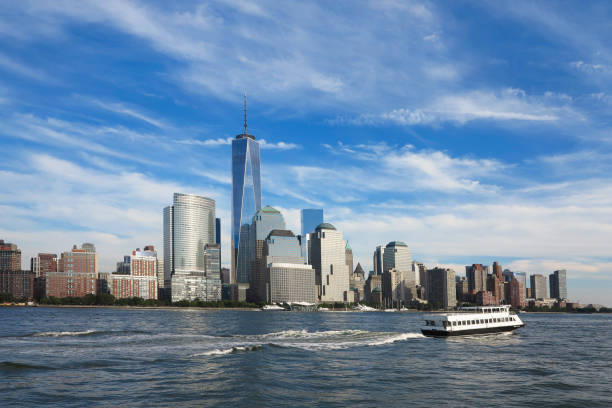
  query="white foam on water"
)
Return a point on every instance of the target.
[
  {"x": 64, "y": 333},
  {"x": 221, "y": 352}
]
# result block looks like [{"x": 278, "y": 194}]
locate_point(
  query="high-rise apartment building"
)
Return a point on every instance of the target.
[
  {"x": 497, "y": 271},
  {"x": 137, "y": 276},
  {"x": 462, "y": 291},
  {"x": 538, "y": 286},
  {"x": 10, "y": 257},
  {"x": 517, "y": 293},
  {"x": 558, "y": 284},
  {"x": 329, "y": 262},
  {"x": 477, "y": 278},
  {"x": 41, "y": 264},
  {"x": 190, "y": 225},
  {"x": 246, "y": 200},
  {"x": 77, "y": 273},
  {"x": 310, "y": 218},
  {"x": 441, "y": 287}
]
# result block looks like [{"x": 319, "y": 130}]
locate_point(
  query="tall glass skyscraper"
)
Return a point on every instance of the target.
[
  {"x": 189, "y": 224},
  {"x": 190, "y": 228},
  {"x": 246, "y": 200}
]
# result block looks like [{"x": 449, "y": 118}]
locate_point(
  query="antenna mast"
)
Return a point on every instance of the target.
[{"x": 245, "y": 115}]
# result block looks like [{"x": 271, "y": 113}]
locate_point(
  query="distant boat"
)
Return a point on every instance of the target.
[
  {"x": 364, "y": 308},
  {"x": 472, "y": 320},
  {"x": 270, "y": 308}
]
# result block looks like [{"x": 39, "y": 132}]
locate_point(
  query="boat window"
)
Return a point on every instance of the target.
[{"x": 473, "y": 322}]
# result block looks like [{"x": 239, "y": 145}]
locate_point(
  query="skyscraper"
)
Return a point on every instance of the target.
[
  {"x": 400, "y": 285},
  {"x": 310, "y": 218},
  {"x": 538, "y": 286},
  {"x": 329, "y": 262},
  {"x": 477, "y": 278},
  {"x": 287, "y": 278},
  {"x": 10, "y": 257},
  {"x": 246, "y": 199},
  {"x": 558, "y": 285},
  {"x": 254, "y": 273},
  {"x": 377, "y": 260},
  {"x": 441, "y": 287},
  {"x": 189, "y": 225}
]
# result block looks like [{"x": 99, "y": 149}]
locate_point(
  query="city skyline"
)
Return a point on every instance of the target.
[{"x": 455, "y": 146}]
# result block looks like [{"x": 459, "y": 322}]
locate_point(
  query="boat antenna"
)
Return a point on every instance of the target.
[{"x": 245, "y": 115}]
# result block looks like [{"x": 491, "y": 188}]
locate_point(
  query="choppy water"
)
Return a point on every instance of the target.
[{"x": 111, "y": 357}]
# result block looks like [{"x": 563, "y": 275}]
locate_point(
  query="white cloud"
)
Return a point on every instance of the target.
[
  {"x": 123, "y": 110},
  {"x": 226, "y": 141},
  {"x": 23, "y": 70}
]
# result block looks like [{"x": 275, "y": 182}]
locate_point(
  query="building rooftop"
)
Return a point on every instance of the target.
[
  {"x": 325, "y": 225},
  {"x": 280, "y": 233},
  {"x": 269, "y": 210},
  {"x": 348, "y": 246},
  {"x": 242, "y": 136},
  {"x": 396, "y": 244}
]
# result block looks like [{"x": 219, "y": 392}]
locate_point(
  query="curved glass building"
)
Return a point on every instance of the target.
[
  {"x": 189, "y": 224},
  {"x": 246, "y": 201}
]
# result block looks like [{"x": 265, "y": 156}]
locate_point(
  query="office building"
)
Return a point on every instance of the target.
[
  {"x": 77, "y": 273},
  {"x": 477, "y": 278},
  {"x": 538, "y": 286},
  {"x": 378, "y": 259},
  {"x": 212, "y": 259},
  {"x": 246, "y": 200},
  {"x": 508, "y": 275},
  {"x": 348, "y": 252},
  {"x": 287, "y": 278},
  {"x": 189, "y": 225},
  {"x": 10, "y": 257},
  {"x": 441, "y": 288},
  {"x": 373, "y": 289},
  {"x": 310, "y": 218},
  {"x": 558, "y": 284},
  {"x": 329, "y": 262},
  {"x": 357, "y": 284},
  {"x": 264, "y": 221},
  {"x": 522, "y": 277},
  {"x": 397, "y": 256}
]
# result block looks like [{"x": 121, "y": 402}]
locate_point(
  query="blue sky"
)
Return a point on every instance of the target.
[{"x": 473, "y": 131}]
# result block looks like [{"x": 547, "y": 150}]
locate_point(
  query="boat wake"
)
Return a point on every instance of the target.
[{"x": 304, "y": 340}]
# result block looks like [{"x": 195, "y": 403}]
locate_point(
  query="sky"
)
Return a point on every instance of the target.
[{"x": 473, "y": 131}]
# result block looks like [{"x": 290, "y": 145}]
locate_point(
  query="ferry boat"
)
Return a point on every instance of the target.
[{"x": 472, "y": 320}]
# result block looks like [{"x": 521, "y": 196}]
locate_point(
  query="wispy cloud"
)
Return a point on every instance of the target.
[
  {"x": 507, "y": 105},
  {"x": 19, "y": 68},
  {"x": 121, "y": 109},
  {"x": 228, "y": 141}
]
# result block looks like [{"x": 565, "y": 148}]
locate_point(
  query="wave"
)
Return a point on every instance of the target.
[
  {"x": 231, "y": 350},
  {"x": 64, "y": 333},
  {"x": 86, "y": 333},
  {"x": 308, "y": 341},
  {"x": 14, "y": 366}
]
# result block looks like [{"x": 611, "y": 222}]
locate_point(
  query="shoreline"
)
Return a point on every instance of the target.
[{"x": 246, "y": 309}]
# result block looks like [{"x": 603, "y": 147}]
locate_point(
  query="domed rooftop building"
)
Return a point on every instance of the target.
[{"x": 325, "y": 225}]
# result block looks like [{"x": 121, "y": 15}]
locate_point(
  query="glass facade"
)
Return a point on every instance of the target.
[
  {"x": 246, "y": 201},
  {"x": 194, "y": 227}
]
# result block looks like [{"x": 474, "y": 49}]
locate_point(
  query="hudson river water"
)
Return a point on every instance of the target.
[{"x": 117, "y": 357}]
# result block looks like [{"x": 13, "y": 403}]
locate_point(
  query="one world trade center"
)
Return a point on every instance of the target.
[{"x": 246, "y": 200}]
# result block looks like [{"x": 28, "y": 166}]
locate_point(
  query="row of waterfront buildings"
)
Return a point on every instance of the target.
[{"x": 269, "y": 263}]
